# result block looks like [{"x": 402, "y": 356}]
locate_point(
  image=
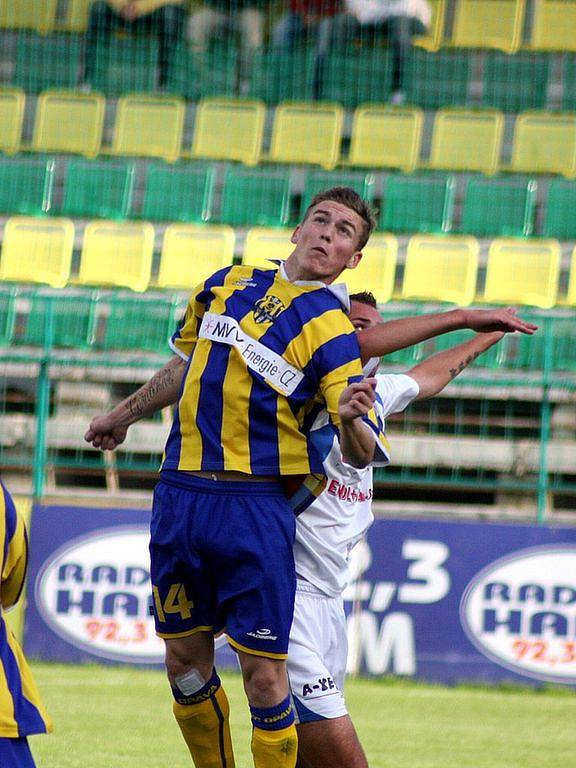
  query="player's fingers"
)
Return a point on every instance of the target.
[{"x": 89, "y": 436}]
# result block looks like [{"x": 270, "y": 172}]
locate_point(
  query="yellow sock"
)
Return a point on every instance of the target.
[
  {"x": 206, "y": 730},
  {"x": 275, "y": 749}
]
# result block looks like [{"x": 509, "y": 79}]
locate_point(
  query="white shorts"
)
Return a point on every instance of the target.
[{"x": 317, "y": 655}]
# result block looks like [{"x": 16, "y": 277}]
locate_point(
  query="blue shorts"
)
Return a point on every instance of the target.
[
  {"x": 15, "y": 753},
  {"x": 222, "y": 560}
]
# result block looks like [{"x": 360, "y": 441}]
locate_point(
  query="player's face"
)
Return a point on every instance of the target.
[
  {"x": 326, "y": 243},
  {"x": 363, "y": 316}
]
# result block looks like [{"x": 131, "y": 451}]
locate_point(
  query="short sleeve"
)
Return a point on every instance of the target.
[
  {"x": 186, "y": 335},
  {"x": 395, "y": 392}
]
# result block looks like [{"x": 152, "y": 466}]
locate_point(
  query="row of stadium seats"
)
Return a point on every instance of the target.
[
  {"x": 437, "y": 268},
  {"x": 461, "y": 77},
  {"x": 250, "y": 197},
  {"x": 302, "y": 132},
  {"x": 107, "y": 321},
  {"x": 477, "y": 23}
]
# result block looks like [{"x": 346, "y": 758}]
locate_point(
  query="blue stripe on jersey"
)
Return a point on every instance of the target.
[
  {"x": 173, "y": 445},
  {"x": 209, "y": 412},
  {"x": 10, "y": 517},
  {"x": 334, "y": 353},
  {"x": 302, "y": 309},
  {"x": 26, "y": 715},
  {"x": 263, "y": 430}
]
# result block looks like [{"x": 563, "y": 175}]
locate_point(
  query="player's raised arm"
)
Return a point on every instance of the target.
[
  {"x": 109, "y": 430},
  {"x": 393, "y": 335},
  {"x": 437, "y": 371},
  {"x": 357, "y": 441}
]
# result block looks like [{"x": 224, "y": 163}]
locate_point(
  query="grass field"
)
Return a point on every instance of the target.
[{"x": 121, "y": 717}]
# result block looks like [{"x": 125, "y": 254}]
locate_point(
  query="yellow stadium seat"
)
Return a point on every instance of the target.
[
  {"x": 523, "y": 272},
  {"x": 37, "y": 250},
  {"x": 488, "y": 24},
  {"x": 12, "y": 104},
  {"x": 386, "y": 137},
  {"x": 376, "y": 270},
  {"x": 553, "y": 25},
  {"x": 28, "y": 14},
  {"x": 117, "y": 254},
  {"x": 307, "y": 133},
  {"x": 229, "y": 129},
  {"x": 69, "y": 122},
  {"x": 432, "y": 40},
  {"x": 265, "y": 243},
  {"x": 77, "y": 14},
  {"x": 441, "y": 269},
  {"x": 467, "y": 140},
  {"x": 544, "y": 143},
  {"x": 149, "y": 127},
  {"x": 192, "y": 252}
]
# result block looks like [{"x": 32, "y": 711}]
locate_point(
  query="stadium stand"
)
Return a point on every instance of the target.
[{"x": 159, "y": 189}]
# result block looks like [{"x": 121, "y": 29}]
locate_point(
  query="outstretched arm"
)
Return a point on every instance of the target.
[
  {"x": 386, "y": 338},
  {"x": 109, "y": 430},
  {"x": 437, "y": 371},
  {"x": 357, "y": 442}
]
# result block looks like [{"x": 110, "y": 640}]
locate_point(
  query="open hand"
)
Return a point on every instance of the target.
[{"x": 489, "y": 320}]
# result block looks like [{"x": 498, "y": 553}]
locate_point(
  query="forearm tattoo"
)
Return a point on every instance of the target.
[
  {"x": 463, "y": 364},
  {"x": 162, "y": 381}
]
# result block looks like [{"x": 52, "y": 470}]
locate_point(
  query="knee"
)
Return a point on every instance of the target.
[
  {"x": 265, "y": 684},
  {"x": 179, "y": 663}
]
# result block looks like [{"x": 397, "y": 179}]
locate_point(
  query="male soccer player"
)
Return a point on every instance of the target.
[
  {"x": 256, "y": 346},
  {"x": 21, "y": 711},
  {"x": 326, "y": 534}
]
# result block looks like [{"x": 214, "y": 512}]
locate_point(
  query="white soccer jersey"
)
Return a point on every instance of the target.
[{"x": 327, "y": 531}]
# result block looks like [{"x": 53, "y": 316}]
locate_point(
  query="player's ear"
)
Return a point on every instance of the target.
[
  {"x": 354, "y": 260},
  {"x": 295, "y": 235}
]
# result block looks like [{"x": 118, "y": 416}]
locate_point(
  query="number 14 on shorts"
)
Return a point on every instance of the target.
[{"x": 176, "y": 602}]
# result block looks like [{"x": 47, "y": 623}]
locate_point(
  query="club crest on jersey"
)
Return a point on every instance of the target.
[{"x": 268, "y": 309}]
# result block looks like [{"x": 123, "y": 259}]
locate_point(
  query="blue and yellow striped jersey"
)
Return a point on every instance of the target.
[
  {"x": 21, "y": 711},
  {"x": 259, "y": 350}
]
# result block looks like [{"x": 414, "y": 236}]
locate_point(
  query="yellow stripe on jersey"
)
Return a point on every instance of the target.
[{"x": 230, "y": 416}]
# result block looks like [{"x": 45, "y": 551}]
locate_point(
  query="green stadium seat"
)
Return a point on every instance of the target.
[
  {"x": 26, "y": 186},
  {"x": 318, "y": 181},
  {"x": 139, "y": 324},
  {"x": 499, "y": 207},
  {"x": 98, "y": 190},
  {"x": 515, "y": 83},
  {"x": 125, "y": 64},
  {"x": 362, "y": 75},
  {"x": 179, "y": 192},
  {"x": 418, "y": 203},
  {"x": 282, "y": 76},
  {"x": 434, "y": 80},
  {"x": 47, "y": 61},
  {"x": 569, "y": 82},
  {"x": 60, "y": 320},
  {"x": 196, "y": 75},
  {"x": 7, "y": 314},
  {"x": 256, "y": 197},
  {"x": 559, "y": 219}
]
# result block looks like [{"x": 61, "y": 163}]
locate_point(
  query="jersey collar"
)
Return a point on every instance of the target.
[{"x": 340, "y": 290}]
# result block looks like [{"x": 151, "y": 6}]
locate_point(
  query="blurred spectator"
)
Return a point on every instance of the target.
[
  {"x": 244, "y": 16},
  {"x": 306, "y": 19},
  {"x": 400, "y": 21},
  {"x": 164, "y": 18}
]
